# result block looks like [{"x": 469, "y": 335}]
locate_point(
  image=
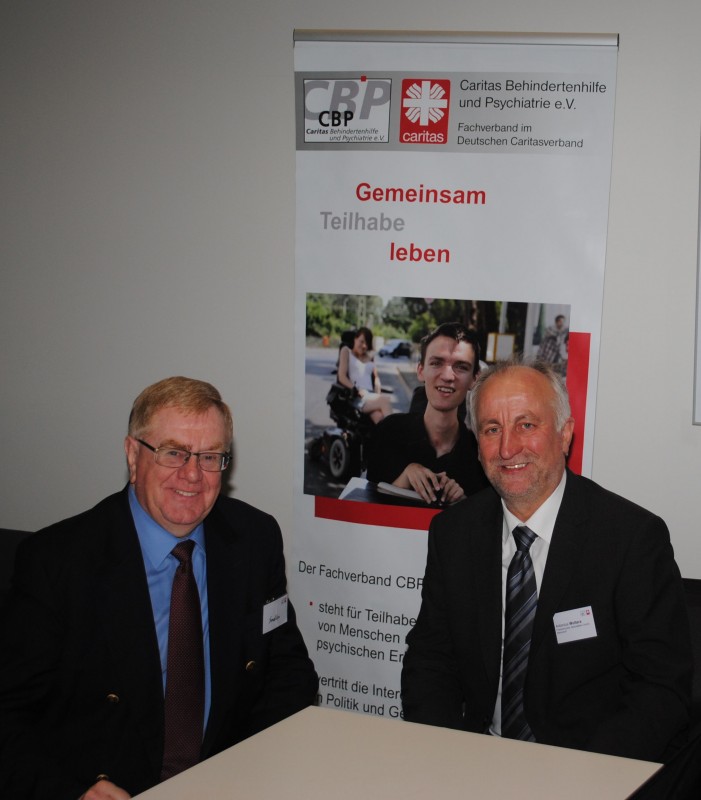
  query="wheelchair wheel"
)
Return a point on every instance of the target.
[{"x": 339, "y": 460}]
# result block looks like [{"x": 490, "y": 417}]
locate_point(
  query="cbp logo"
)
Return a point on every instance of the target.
[
  {"x": 347, "y": 110},
  {"x": 425, "y": 111}
]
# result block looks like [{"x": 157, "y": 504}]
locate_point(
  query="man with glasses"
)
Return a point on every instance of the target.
[
  {"x": 432, "y": 451},
  {"x": 93, "y": 702}
]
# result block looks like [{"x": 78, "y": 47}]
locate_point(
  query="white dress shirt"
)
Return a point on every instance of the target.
[{"x": 542, "y": 523}]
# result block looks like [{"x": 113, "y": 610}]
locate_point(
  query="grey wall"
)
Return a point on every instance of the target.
[{"x": 147, "y": 229}]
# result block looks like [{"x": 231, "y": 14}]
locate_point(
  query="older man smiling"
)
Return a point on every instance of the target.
[
  {"x": 137, "y": 639},
  {"x": 552, "y": 610}
]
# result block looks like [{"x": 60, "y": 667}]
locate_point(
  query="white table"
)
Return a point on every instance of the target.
[{"x": 339, "y": 755}]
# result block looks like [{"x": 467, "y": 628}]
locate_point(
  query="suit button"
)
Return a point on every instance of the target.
[
  {"x": 250, "y": 666},
  {"x": 112, "y": 698}
]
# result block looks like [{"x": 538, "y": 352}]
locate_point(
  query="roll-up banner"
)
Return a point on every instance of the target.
[{"x": 441, "y": 177}]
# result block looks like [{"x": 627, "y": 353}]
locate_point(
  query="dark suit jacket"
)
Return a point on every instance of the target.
[
  {"x": 81, "y": 692},
  {"x": 624, "y": 692}
]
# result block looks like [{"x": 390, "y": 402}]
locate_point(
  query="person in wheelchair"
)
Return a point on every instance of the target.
[
  {"x": 431, "y": 451},
  {"x": 356, "y": 369}
]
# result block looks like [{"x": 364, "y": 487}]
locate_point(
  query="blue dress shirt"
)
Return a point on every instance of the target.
[{"x": 156, "y": 546}]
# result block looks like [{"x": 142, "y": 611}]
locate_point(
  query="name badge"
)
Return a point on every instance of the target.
[
  {"x": 573, "y": 625},
  {"x": 274, "y": 614}
]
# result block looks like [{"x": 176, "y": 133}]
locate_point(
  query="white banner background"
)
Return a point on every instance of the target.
[{"x": 539, "y": 237}]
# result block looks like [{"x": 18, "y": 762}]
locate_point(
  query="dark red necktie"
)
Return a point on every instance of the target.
[{"x": 184, "y": 698}]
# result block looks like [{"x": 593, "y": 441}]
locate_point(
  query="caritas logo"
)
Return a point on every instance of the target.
[{"x": 425, "y": 111}]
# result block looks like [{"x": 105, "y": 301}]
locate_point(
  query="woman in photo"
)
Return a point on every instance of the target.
[{"x": 356, "y": 368}]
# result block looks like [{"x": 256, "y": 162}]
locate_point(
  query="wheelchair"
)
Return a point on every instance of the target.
[{"x": 341, "y": 447}]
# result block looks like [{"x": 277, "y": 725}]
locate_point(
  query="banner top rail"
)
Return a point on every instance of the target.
[{"x": 457, "y": 37}]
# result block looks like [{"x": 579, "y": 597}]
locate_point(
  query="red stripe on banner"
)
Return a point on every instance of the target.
[
  {"x": 417, "y": 519},
  {"x": 577, "y": 382}
]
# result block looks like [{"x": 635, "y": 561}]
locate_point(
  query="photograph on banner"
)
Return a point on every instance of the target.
[{"x": 370, "y": 398}]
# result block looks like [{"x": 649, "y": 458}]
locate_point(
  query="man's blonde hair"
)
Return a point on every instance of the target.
[{"x": 188, "y": 394}]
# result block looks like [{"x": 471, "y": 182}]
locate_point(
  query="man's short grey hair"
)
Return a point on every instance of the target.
[{"x": 561, "y": 400}]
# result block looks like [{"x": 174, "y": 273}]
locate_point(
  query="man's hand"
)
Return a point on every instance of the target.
[
  {"x": 105, "y": 790},
  {"x": 452, "y": 490},
  {"x": 430, "y": 485}
]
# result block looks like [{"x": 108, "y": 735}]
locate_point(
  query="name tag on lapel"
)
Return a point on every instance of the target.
[
  {"x": 575, "y": 624},
  {"x": 274, "y": 614}
]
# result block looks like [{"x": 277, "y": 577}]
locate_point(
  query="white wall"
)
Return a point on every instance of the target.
[{"x": 147, "y": 167}]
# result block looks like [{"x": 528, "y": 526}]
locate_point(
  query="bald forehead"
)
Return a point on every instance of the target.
[
  {"x": 517, "y": 381},
  {"x": 523, "y": 373}
]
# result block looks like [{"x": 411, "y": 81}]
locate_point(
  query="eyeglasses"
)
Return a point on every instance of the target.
[{"x": 174, "y": 458}]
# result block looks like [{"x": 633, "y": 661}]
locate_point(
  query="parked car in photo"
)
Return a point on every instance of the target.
[{"x": 396, "y": 348}]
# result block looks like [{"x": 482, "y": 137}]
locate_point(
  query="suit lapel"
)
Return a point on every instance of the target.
[
  {"x": 568, "y": 540},
  {"x": 129, "y": 628},
  {"x": 227, "y": 588},
  {"x": 485, "y": 565}
]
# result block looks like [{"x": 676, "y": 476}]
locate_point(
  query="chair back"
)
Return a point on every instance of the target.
[
  {"x": 679, "y": 778},
  {"x": 9, "y": 540},
  {"x": 692, "y": 591}
]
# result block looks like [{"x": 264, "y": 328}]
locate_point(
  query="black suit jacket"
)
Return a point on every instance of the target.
[
  {"x": 81, "y": 692},
  {"x": 625, "y": 691}
]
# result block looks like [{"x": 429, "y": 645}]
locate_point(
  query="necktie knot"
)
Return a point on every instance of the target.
[
  {"x": 524, "y": 538},
  {"x": 183, "y": 552}
]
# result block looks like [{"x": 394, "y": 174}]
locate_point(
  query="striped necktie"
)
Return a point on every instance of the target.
[{"x": 521, "y": 601}]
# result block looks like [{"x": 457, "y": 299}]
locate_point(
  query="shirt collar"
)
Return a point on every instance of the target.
[
  {"x": 156, "y": 542},
  {"x": 542, "y": 522}
]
